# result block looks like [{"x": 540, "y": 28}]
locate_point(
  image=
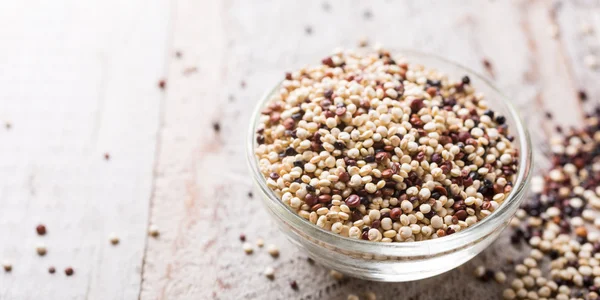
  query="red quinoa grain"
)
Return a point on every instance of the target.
[{"x": 40, "y": 229}]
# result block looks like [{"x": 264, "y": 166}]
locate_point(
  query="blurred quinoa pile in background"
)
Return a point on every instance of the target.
[
  {"x": 372, "y": 147},
  {"x": 560, "y": 223}
]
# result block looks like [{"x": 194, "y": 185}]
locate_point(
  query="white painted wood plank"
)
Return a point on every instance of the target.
[
  {"x": 200, "y": 200},
  {"x": 572, "y": 17},
  {"x": 78, "y": 79}
]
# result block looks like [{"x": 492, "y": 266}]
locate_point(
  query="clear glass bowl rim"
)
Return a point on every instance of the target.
[{"x": 407, "y": 249}]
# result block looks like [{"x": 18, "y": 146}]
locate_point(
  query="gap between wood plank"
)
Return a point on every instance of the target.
[{"x": 157, "y": 148}]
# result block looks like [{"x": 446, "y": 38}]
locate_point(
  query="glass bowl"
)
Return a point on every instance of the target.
[{"x": 404, "y": 261}]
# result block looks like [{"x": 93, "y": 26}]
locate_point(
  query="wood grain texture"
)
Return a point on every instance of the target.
[
  {"x": 201, "y": 197},
  {"x": 78, "y": 79}
]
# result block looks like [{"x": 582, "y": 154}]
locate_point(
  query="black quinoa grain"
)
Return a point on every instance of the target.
[
  {"x": 500, "y": 120},
  {"x": 466, "y": 79}
]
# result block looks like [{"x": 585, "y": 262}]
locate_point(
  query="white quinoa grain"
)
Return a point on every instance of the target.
[
  {"x": 269, "y": 272},
  {"x": 273, "y": 250},
  {"x": 153, "y": 230},
  {"x": 41, "y": 249},
  {"x": 528, "y": 281},
  {"x": 509, "y": 294},
  {"x": 500, "y": 277},
  {"x": 517, "y": 284},
  {"x": 532, "y": 295},
  {"x": 425, "y": 208},
  {"x": 113, "y": 238},
  {"x": 479, "y": 271},
  {"x": 530, "y": 262},
  {"x": 247, "y": 248},
  {"x": 436, "y": 222}
]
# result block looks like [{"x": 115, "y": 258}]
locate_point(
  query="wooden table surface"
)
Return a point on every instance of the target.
[{"x": 79, "y": 79}]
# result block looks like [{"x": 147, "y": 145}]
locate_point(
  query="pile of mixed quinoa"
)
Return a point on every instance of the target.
[
  {"x": 558, "y": 223},
  {"x": 374, "y": 147}
]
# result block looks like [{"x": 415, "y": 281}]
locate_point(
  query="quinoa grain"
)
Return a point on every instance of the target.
[
  {"x": 269, "y": 272},
  {"x": 40, "y": 229},
  {"x": 41, "y": 249},
  {"x": 247, "y": 248},
  {"x": 153, "y": 231},
  {"x": 260, "y": 243},
  {"x": 7, "y": 266},
  {"x": 113, "y": 238},
  {"x": 273, "y": 250}
]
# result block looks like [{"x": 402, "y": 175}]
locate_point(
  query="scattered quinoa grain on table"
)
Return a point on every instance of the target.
[
  {"x": 269, "y": 272},
  {"x": 40, "y": 229},
  {"x": 374, "y": 147},
  {"x": 162, "y": 84},
  {"x": 7, "y": 266},
  {"x": 113, "y": 238},
  {"x": 248, "y": 248},
  {"x": 41, "y": 249},
  {"x": 370, "y": 296},
  {"x": 69, "y": 271},
  {"x": 260, "y": 243},
  {"x": 153, "y": 231},
  {"x": 273, "y": 250}
]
